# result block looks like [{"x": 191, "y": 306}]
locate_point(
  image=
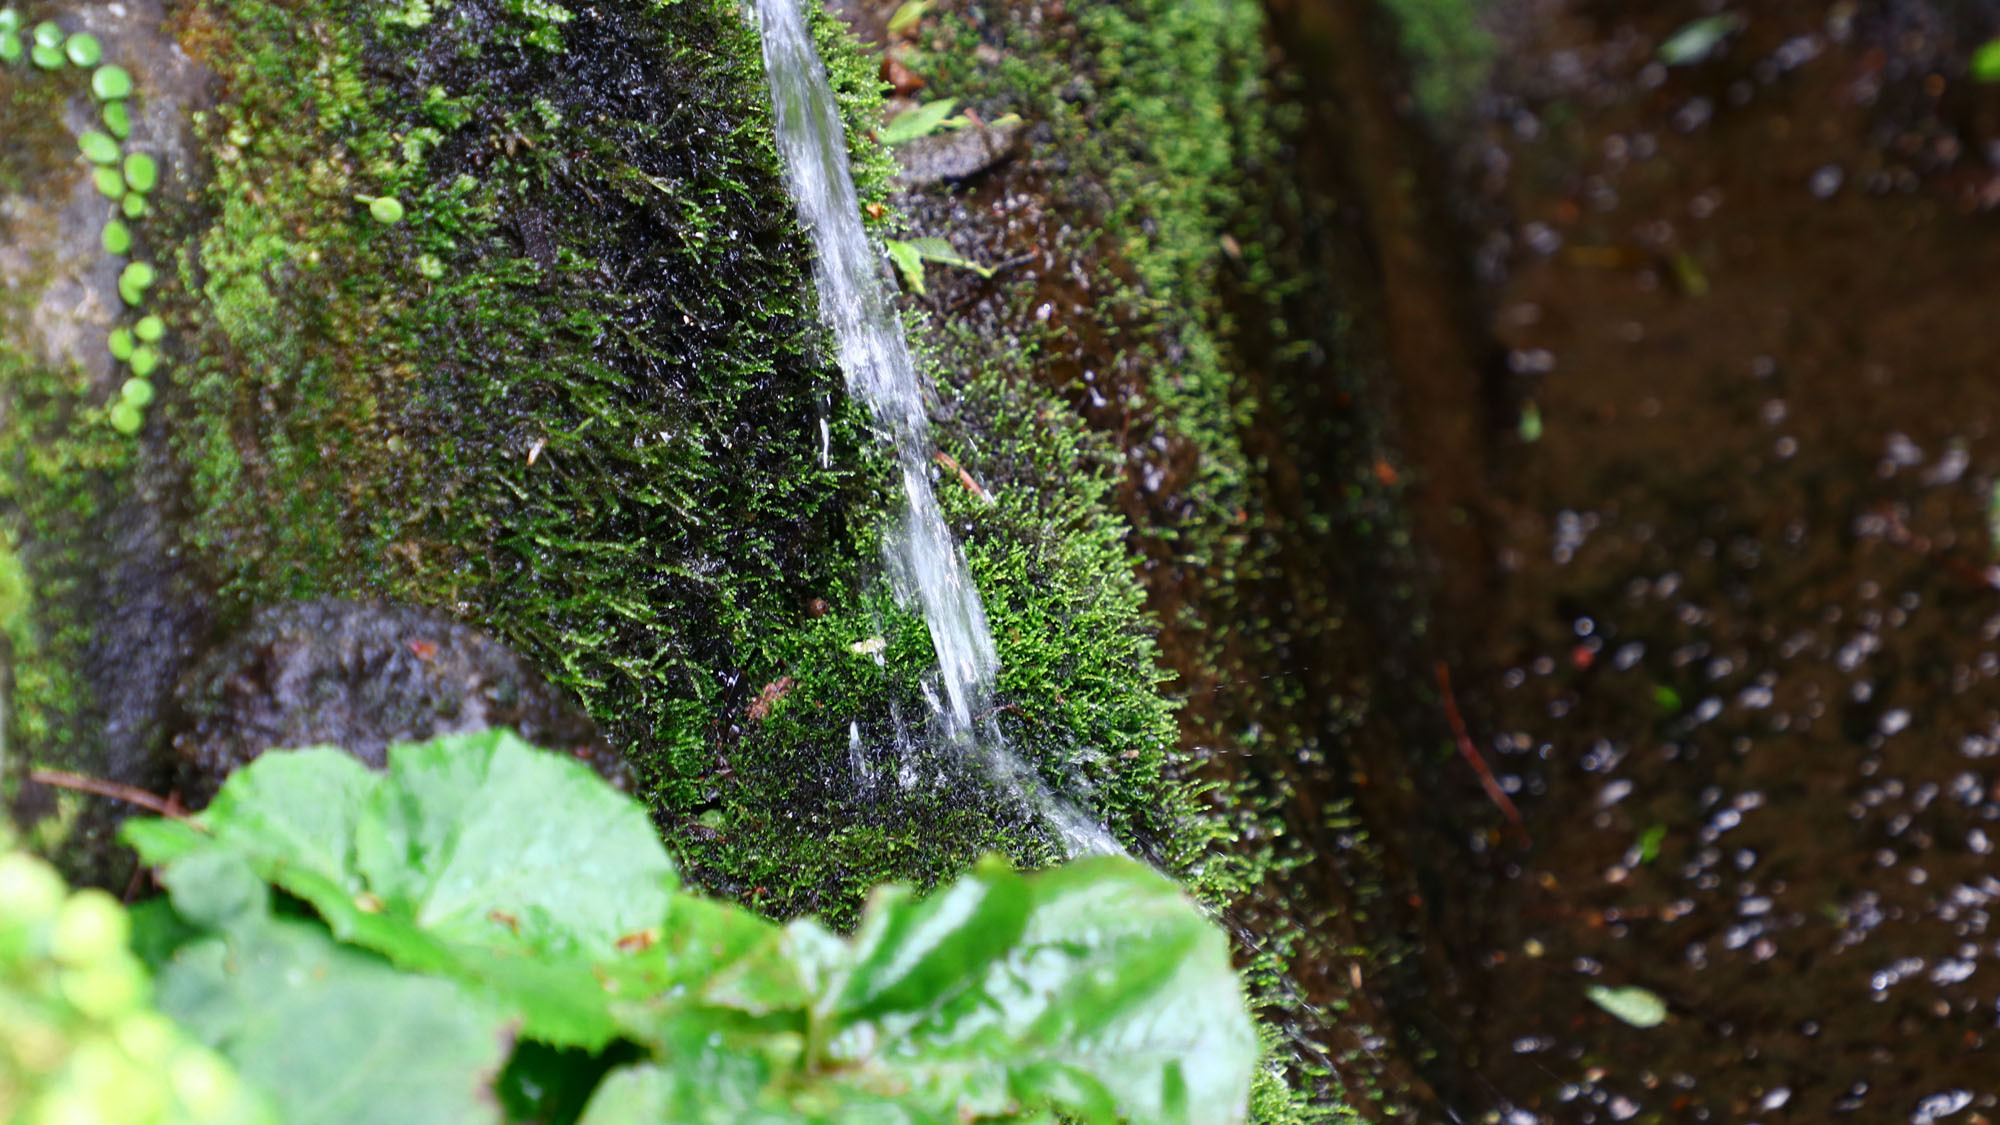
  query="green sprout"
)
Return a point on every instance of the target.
[
  {"x": 117, "y": 119},
  {"x": 98, "y": 148},
  {"x": 47, "y": 34},
  {"x": 141, "y": 173},
  {"x": 117, "y": 238},
  {"x": 48, "y": 58},
  {"x": 387, "y": 209},
  {"x": 111, "y": 82},
  {"x": 83, "y": 49}
]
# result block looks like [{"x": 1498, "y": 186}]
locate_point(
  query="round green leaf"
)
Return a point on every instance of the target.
[
  {"x": 10, "y": 46},
  {"x": 98, "y": 148},
  {"x": 144, "y": 360},
  {"x": 386, "y": 209},
  {"x": 126, "y": 418},
  {"x": 120, "y": 343},
  {"x": 47, "y": 34},
  {"x": 134, "y": 205},
  {"x": 138, "y": 391},
  {"x": 117, "y": 237},
  {"x": 111, "y": 82},
  {"x": 141, "y": 173},
  {"x": 117, "y": 119},
  {"x": 48, "y": 58},
  {"x": 83, "y": 49},
  {"x": 149, "y": 329},
  {"x": 139, "y": 274},
  {"x": 110, "y": 183},
  {"x": 10, "y": 20}
]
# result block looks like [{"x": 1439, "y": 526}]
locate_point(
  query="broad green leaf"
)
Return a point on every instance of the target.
[
  {"x": 910, "y": 956},
  {"x": 907, "y": 260},
  {"x": 215, "y": 888},
  {"x": 907, "y": 15},
  {"x": 922, "y": 121},
  {"x": 1636, "y": 1006},
  {"x": 939, "y": 251},
  {"x": 477, "y": 857},
  {"x": 333, "y": 1035},
  {"x": 1111, "y": 998},
  {"x": 482, "y": 835},
  {"x": 708, "y": 1088}
]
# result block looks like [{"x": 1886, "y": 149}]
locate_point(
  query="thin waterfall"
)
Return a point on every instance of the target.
[{"x": 925, "y": 564}]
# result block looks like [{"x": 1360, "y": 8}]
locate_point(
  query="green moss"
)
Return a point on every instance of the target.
[
  {"x": 579, "y": 394},
  {"x": 1449, "y": 52}
]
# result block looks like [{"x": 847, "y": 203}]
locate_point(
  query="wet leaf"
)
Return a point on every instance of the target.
[
  {"x": 332, "y": 1034},
  {"x": 1095, "y": 988},
  {"x": 478, "y": 856},
  {"x": 922, "y": 121},
  {"x": 908, "y": 261},
  {"x": 1632, "y": 1004},
  {"x": 906, "y": 17},
  {"x": 1698, "y": 39},
  {"x": 939, "y": 251}
]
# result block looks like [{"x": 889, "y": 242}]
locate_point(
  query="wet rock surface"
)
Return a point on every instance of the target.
[
  {"x": 1731, "y": 648},
  {"x": 363, "y": 677}
]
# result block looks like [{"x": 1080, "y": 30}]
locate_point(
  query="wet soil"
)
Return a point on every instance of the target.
[{"x": 1730, "y": 642}]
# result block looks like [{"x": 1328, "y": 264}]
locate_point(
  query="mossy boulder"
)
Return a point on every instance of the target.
[{"x": 571, "y": 390}]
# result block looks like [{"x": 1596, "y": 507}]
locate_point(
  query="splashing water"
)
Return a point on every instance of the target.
[{"x": 924, "y": 561}]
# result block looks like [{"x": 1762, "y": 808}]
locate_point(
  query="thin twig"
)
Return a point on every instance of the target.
[
  {"x": 131, "y": 795},
  {"x": 1471, "y": 754}
]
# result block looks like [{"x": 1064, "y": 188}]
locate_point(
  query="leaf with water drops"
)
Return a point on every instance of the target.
[{"x": 1637, "y": 1006}]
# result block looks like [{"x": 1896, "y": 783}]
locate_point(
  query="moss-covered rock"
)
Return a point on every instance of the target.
[{"x": 570, "y": 389}]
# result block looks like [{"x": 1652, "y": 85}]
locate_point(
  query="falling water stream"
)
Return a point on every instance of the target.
[{"x": 924, "y": 561}]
